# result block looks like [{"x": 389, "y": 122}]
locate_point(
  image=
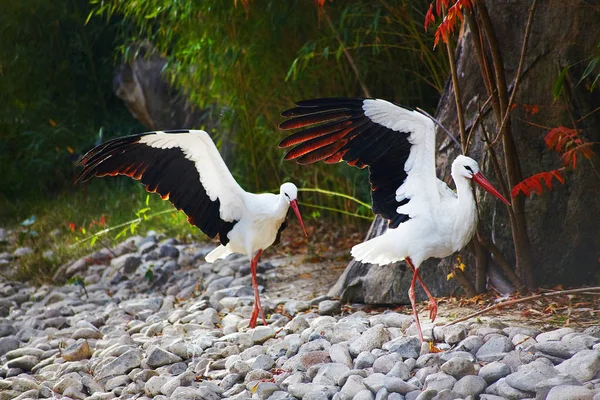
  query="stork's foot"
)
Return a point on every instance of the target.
[
  {"x": 433, "y": 308},
  {"x": 255, "y": 312}
]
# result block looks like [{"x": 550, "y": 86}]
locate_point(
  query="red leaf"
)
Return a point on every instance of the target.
[
  {"x": 534, "y": 183},
  {"x": 559, "y": 138},
  {"x": 429, "y": 18}
]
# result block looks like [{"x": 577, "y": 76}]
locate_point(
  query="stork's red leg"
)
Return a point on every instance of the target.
[
  {"x": 257, "y": 306},
  {"x": 413, "y": 300},
  {"x": 433, "y": 306}
]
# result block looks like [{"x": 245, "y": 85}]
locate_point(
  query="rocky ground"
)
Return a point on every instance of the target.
[{"x": 153, "y": 320}]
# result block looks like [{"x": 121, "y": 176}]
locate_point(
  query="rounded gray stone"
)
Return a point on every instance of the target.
[
  {"x": 370, "y": 339},
  {"x": 397, "y": 385},
  {"x": 458, "y": 367},
  {"x": 567, "y": 392},
  {"x": 494, "y": 371},
  {"x": 330, "y": 307},
  {"x": 470, "y": 385}
]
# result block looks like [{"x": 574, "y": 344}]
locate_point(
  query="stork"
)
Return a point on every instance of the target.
[
  {"x": 185, "y": 167},
  {"x": 426, "y": 218}
]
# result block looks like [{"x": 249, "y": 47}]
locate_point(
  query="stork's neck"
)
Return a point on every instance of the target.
[
  {"x": 283, "y": 205},
  {"x": 466, "y": 213}
]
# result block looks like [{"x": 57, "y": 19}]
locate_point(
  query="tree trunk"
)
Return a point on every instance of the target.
[{"x": 562, "y": 224}]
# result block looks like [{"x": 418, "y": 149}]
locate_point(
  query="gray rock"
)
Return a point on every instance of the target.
[
  {"x": 339, "y": 354},
  {"x": 26, "y": 363},
  {"x": 72, "y": 380},
  {"x": 79, "y": 350},
  {"x": 495, "y": 345},
  {"x": 446, "y": 394},
  {"x": 364, "y": 360},
  {"x": 261, "y": 333},
  {"x": 22, "y": 385},
  {"x": 374, "y": 382},
  {"x": 263, "y": 362},
  {"x": 382, "y": 394},
  {"x": 526, "y": 377},
  {"x": 543, "y": 388},
  {"x": 453, "y": 334},
  {"x": 397, "y": 385},
  {"x": 439, "y": 381},
  {"x": 364, "y": 395},
  {"x": 470, "y": 385},
  {"x": 188, "y": 393},
  {"x": 7, "y": 344},
  {"x": 136, "y": 306},
  {"x": 556, "y": 334},
  {"x": 427, "y": 394},
  {"x": 470, "y": 344},
  {"x": 330, "y": 307},
  {"x": 593, "y": 331},
  {"x": 458, "y": 367},
  {"x": 7, "y": 330},
  {"x": 567, "y": 392},
  {"x": 121, "y": 365},
  {"x": 400, "y": 370},
  {"x": 384, "y": 364},
  {"x": 293, "y": 307},
  {"x": 554, "y": 348},
  {"x": 494, "y": 371},
  {"x": 583, "y": 365},
  {"x": 370, "y": 339},
  {"x": 501, "y": 388},
  {"x": 353, "y": 385},
  {"x": 117, "y": 381},
  {"x": 127, "y": 263},
  {"x": 299, "y": 390},
  {"x": 158, "y": 357},
  {"x": 24, "y": 351},
  {"x": 406, "y": 347},
  {"x": 330, "y": 374}
]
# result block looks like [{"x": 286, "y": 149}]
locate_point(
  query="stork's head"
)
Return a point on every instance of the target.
[
  {"x": 289, "y": 191},
  {"x": 468, "y": 168},
  {"x": 465, "y": 166}
]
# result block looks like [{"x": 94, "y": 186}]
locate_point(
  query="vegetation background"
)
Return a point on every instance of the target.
[{"x": 252, "y": 59}]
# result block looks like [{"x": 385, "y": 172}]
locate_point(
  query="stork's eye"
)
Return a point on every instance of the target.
[
  {"x": 287, "y": 195},
  {"x": 468, "y": 168}
]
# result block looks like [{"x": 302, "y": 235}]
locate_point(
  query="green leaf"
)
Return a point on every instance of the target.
[
  {"x": 559, "y": 83},
  {"x": 589, "y": 69}
]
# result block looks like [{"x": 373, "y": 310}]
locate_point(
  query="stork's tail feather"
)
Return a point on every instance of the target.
[
  {"x": 219, "y": 252},
  {"x": 374, "y": 251}
]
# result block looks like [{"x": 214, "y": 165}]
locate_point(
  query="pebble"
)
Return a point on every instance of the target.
[{"x": 194, "y": 342}]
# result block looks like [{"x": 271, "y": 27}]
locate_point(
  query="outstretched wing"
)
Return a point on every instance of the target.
[
  {"x": 182, "y": 166},
  {"x": 397, "y": 144}
]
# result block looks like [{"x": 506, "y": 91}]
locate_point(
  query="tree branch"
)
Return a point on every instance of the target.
[
  {"x": 523, "y": 300},
  {"x": 519, "y": 69}
]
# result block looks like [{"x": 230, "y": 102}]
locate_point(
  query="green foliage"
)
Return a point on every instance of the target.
[
  {"x": 74, "y": 223},
  {"x": 56, "y": 85},
  {"x": 254, "y": 62}
]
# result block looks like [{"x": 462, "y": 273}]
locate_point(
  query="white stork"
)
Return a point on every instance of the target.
[
  {"x": 185, "y": 167},
  {"x": 426, "y": 218}
]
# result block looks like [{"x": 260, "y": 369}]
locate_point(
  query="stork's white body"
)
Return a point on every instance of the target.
[
  {"x": 185, "y": 167},
  {"x": 257, "y": 229},
  {"x": 426, "y": 218},
  {"x": 439, "y": 227}
]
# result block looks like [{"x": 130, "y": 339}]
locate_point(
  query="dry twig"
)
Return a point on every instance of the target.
[{"x": 524, "y": 299}]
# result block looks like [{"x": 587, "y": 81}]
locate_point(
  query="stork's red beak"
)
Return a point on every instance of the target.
[
  {"x": 294, "y": 204},
  {"x": 481, "y": 181}
]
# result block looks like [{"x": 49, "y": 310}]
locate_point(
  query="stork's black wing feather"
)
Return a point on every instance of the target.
[
  {"x": 166, "y": 171},
  {"x": 337, "y": 129}
]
